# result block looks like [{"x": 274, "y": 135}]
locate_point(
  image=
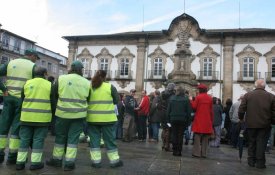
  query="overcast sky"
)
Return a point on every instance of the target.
[{"x": 46, "y": 21}]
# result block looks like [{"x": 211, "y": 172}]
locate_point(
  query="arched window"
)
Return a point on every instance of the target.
[
  {"x": 124, "y": 67},
  {"x": 104, "y": 64},
  {"x": 207, "y": 67},
  {"x": 158, "y": 66},
  {"x": 248, "y": 68}
]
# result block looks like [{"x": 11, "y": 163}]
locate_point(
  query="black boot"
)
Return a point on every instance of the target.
[
  {"x": 37, "y": 166},
  {"x": 54, "y": 162},
  {"x": 20, "y": 166},
  {"x": 118, "y": 164},
  {"x": 69, "y": 167}
]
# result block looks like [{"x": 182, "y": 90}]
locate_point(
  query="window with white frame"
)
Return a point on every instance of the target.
[
  {"x": 85, "y": 63},
  {"x": 207, "y": 67},
  {"x": 158, "y": 66},
  {"x": 248, "y": 68},
  {"x": 5, "y": 40},
  {"x": 124, "y": 67},
  {"x": 104, "y": 64},
  {"x": 49, "y": 67},
  {"x": 17, "y": 44}
]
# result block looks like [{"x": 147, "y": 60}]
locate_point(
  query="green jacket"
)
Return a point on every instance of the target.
[{"x": 179, "y": 109}]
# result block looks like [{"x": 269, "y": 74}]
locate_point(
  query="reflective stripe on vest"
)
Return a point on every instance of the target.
[
  {"x": 73, "y": 91},
  {"x": 101, "y": 107},
  {"x": 36, "y": 106},
  {"x": 18, "y": 72}
]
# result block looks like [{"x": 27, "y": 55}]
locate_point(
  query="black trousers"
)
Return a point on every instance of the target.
[
  {"x": 142, "y": 128},
  {"x": 178, "y": 128},
  {"x": 257, "y": 142}
]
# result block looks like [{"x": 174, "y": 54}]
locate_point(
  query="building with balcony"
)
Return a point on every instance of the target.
[
  {"x": 227, "y": 60},
  {"x": 13, "y": 46}
]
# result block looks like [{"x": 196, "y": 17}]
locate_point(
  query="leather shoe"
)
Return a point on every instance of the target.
[
  {"x": 118, "y": 164},
  {"x": 251, "y": 164},
  {"x": 96, "y": 165},
  {"x": 260, "y": 166},
  {"x": 54, "y": 162},
  {"x": 69, "y": 167}
]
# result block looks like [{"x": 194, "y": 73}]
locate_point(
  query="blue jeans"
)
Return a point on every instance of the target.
[
  {"x": 155, "y": 129},
  {"x": 118, "y": 129}
]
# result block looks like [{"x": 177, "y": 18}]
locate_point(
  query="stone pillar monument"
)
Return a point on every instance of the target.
[
  {"x": 228, "y": 56},
  {"x": 141, "y": 51}
]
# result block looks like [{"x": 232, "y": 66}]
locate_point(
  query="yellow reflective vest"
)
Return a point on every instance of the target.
[
  {"x": 101, "y": 107},
  {"x": 18, "y": 72},
  {"x": 73, "y": 91},
  {"x": 36, "y": 106}
]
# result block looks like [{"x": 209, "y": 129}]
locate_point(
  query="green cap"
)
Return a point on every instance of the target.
[
  {"x": 76, "y": 65},
  {"x": 32, "y": 52}
]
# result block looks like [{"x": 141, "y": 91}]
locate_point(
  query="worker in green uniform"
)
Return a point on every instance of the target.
[
  {"x": 101, "y": 119},
  {"x": 72, "y": 92},
  {"x": 17, "y": 72},
  {"x": 36, "y": 115}
]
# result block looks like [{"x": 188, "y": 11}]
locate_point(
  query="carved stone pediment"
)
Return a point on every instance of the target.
[
  {"x": 123, "y": 83},
  {"x": 184, "y": 26},
  {"x": 104, "y": 54},
  {"x": 157, "y": 84},
  {"x": 85, "y": 53},
  {"x": 158, "y": 53}
]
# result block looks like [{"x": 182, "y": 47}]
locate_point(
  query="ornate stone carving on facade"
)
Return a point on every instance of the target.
[
  {"x": 85, "y": 53},
  {"x": 156, "y": 84},
  {"x": 208, "y": 52},
  {"x": 104, "y": 54},
  {"x": 158, "y": 53},
  {"x": 123, "y": 83},
  {"x": 125, "y": 53},
  {"x": 249, "y": 51},
  {"x": 182, "y": 27},
  {"x": 272, "y": 86},
  {"x": 247, "y": 86},
  {"x": 269, "y": 55}
]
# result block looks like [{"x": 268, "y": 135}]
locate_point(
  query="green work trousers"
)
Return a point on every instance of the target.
[
  {"x": 31, "y": 136},
  {"x": 108, "y": 134},
  {"x": 67, "y": 135},
  {"x": 10, "y": 122}
]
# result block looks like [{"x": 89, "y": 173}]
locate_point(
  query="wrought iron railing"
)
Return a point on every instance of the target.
[
  {"x": 156, "y": 74},
  {"x": 123, "y": 74},
  {"x": 208, "y": 75},
  {"x": 248, "y": 76}
]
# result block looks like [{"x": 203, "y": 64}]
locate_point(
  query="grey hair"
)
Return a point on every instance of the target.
[
  {"x": 180, "y": 91},
  {"x": 260, "y": 83}
]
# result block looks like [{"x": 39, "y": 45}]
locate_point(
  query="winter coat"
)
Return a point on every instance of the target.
[
  {"x": 179, "y": 109},
  {"x": 156, "y": 110},
  {"x": 217, "y": 109},
  {"x": 258, "y": 106},
  {"x": 203, "y": 120}
]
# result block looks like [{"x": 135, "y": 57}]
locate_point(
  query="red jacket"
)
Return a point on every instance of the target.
[
  {"x": 203, "y": 120},
  {"x": 144, "y": 106}
]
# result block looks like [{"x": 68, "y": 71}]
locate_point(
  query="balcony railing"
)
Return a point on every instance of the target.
[
  {"x": 270, "y": 76},
  {"x": 156, "y": 74},
  {"x": 208, "y": 75},
  {"x": 248, "y": 76},
  {"x": 123, "y": 75},
  {"x": 87, "y": 74},
  {"x": 108, "y": 72}
]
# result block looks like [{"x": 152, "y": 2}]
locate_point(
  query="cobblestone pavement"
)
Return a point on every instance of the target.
[{"x": 147, "y": 158}]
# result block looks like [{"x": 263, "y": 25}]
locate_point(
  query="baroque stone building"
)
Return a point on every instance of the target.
[{"x": 227, "y": 60}]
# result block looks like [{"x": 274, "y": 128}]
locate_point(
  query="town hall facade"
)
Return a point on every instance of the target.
[{"x": 228, "y": 61}]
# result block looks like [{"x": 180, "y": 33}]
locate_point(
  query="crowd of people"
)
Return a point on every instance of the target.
[{"x": 73, "y": 105}]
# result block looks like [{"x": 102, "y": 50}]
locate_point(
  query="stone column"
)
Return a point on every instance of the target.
[
  {"x": 141, "y": 54},
  {"x": 228, "y": 51},
  {"x": 72, "y": 53}
]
